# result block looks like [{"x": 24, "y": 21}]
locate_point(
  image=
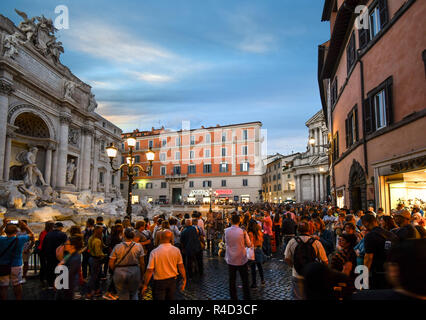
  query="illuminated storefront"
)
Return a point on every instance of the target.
[{"x": 401, "y": 181}]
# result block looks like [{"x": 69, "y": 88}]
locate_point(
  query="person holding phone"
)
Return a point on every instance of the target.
[{"x": 11, "y": 249}]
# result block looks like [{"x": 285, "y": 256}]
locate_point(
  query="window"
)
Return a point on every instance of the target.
[
  {"x": 288, "y": 176},
  {"x": 378, "y": 108},
  {"x": 245, "y": 182},
  {"x": 223, "y": 152},
  {"x": 178, "y": 141},
  {"x": 207, "y": 168},
  {"x": 149, "y": 172},
  {"x": 163, "y": 156},
  {"x": 333, "y": 93},
  {"x": 122, "y": 146},
  {"x": 351, "y": 126},
  {"x": 138, "y": 144},
  {"x": 164, "y": 142},
  {"x": 378, "y": 17},
  {"x": 137, "y": 159},
  {"x": 244, "y": 167},
  {"x": 191, "y": 154},
  {"x": 223, "y": 136},
  {"x": 274, "y": 177},
  {"x": 207, "y": 153},
  {"x": 275, "y": 187},
  {"x": 191, "y": 184},
  {"x": 176, "y": 170},
  {"x": 191, "y": 169},
  {"x": 101, "y": 177},
  {"x": 148, "y": 185},
  {"x": 177, "y": 155},
  {"x": 207, "y": 184},
  {"x": 121, "y": 186},
  {"x": 245, "y": 134},
  {"x": 192, "y": 140},
  {"x": 163, "y": 185},
  {"x": 245, "y": 150},
  {"x": 150, "y": 144},
  {"x": 208, "y": 138},
  {"x": 278, "y": 176},
  {"x": 163, "y": 170},
  {"x": 102, "y": 145},
  {"x": 136, "y": 171},
  {"x": 335, "y": 155},
  {"x": 351, "y": 52},
  {"x": 223, "y": 167},
  {"x": 279, "y": 187},
  {"x": 223, "y": 183}
]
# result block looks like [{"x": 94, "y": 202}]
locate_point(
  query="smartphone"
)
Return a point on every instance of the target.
[{"x": 14, "y": 221}]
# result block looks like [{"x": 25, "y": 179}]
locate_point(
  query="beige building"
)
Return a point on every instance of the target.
[{"x": 278, "y": 184}]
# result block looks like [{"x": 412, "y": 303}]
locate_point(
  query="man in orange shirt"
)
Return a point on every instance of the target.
[{"x": 267, "y": 231}]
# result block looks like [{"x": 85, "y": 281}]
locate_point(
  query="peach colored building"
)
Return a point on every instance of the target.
[
  {"x": 188, "y": 163},
  {"x": 372, "y": 80}
]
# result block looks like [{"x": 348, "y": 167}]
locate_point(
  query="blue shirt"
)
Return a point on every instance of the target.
[{"x": 14, "y": 254}]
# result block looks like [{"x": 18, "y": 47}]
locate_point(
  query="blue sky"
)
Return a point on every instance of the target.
[{"x": 159, "y": 62}]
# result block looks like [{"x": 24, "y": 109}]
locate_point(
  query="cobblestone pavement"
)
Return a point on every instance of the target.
[{"x": 213, "y": 285}]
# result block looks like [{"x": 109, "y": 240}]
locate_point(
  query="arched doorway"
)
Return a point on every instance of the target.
[{"x": 357, "y": 187}]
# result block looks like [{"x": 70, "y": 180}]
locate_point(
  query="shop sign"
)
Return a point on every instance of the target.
[
  {"x": 221, "y": 192},
  {"x": 200, "y": 192},
  {"x": 408, "y": 165}
]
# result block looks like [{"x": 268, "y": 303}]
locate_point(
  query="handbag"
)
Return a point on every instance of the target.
[
  {"x": 6, "y": 269},
  {"x": 122, "y": 258},
  {"x": 250, "y": 253}
]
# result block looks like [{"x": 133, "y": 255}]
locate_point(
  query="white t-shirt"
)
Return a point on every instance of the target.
[{"x": 164, "y": 260}]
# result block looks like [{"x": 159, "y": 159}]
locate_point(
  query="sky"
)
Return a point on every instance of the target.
[{"x": 154, "y": 63}]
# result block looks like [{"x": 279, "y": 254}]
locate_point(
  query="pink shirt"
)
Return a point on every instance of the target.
[
  {"x": 267, "y": 225},
  {"x": 236, "y": 240}
]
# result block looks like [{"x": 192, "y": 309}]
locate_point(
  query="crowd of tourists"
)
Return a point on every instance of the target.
[{"x": 322, "y": 244}]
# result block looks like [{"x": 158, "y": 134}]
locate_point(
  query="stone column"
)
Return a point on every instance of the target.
[
  {"x": 87, "y": 137},
  {"x": 48, "y": 164},
  {"x": 5, "y": 89},
  {"x": 65, "y": 120},
  {"x": 322, "y": 187},
  {"x": 318, "y": 187},
  {"x": 313, "y": 186},
  {"x": 317, "y": 139},
  {"x": 7, "y": 153}
]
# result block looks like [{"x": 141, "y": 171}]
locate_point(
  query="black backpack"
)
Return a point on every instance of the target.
[{"x": 303, "y": 254}]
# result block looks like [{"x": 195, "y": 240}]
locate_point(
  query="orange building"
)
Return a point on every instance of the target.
[
  {"x": 373, "y": 89},
  {"x": 188, "y": 164}
]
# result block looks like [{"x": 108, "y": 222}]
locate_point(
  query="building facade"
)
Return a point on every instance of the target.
[
  {"x": 278, "y": 183},
  {"x": 310, "y": 169},
  {"x": 49, "y": 130},
  {"x": 190, "y": 164},
  {"x": 372, "y": 84}
]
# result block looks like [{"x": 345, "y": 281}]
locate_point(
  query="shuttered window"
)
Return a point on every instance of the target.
[
  {"x": 351, "y": 52},
  {"x": 378, "y": 107},
  {"x": 378, "y": 17},
  {"x": 333, "y": 92},
  {"x": 351, "y": 127}
]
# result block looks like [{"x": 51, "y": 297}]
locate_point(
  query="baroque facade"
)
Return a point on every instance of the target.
[
  {"x": 50, "y": 134},
  {"x": 310, "y": 168}
]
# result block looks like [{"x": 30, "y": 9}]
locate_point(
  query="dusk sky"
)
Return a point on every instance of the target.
[{"x": 158, "y": 62}]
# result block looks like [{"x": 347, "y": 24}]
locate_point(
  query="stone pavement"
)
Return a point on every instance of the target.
[{"x": 213, "y": 285}]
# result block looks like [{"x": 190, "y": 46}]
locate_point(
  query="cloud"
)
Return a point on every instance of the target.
[
  {"x": 151, "y": 77},
  {"x": 248, "y": 34}
]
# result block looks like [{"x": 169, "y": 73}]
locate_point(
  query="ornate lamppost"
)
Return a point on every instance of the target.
[
  {"x": 131, "y": 165},
  {"x": 210, "y": 194}
]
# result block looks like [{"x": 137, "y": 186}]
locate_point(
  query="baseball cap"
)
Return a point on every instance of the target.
[{"x": 59, "y": 225}]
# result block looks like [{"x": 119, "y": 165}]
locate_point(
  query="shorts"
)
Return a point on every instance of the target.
[{"x": 15, "y": 277}]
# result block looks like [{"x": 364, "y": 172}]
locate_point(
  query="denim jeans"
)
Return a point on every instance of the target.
[
  {"x": 267, "y": 244},
  {"x": 95, "y": 270},
  {"x": 126, "y": 281},
  {"x": 243, "y": 270}
]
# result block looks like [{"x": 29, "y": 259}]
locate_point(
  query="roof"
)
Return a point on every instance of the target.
[
  {"x": 154, "y": 132},
  {"x": 326, "y": 11}
]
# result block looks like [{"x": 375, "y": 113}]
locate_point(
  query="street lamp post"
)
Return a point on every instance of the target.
[
  {"x": 131, "y": 165},
  {"x": 210, "y": 194}
]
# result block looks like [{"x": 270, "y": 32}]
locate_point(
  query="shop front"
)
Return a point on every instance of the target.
[
  {"x": 401, "y": 180},
  {"x": 223, "y": 196},
  {"x": 198, "y": 196}
]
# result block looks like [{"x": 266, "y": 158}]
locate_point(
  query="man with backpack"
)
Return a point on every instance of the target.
[
  {"x": 11, "y": 249},
  {"x": 377, "y": 243},
  {"x": 301, "y": 251}
]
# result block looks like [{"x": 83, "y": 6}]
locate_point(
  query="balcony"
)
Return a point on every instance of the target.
[{"x": 176, "y": 177}]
